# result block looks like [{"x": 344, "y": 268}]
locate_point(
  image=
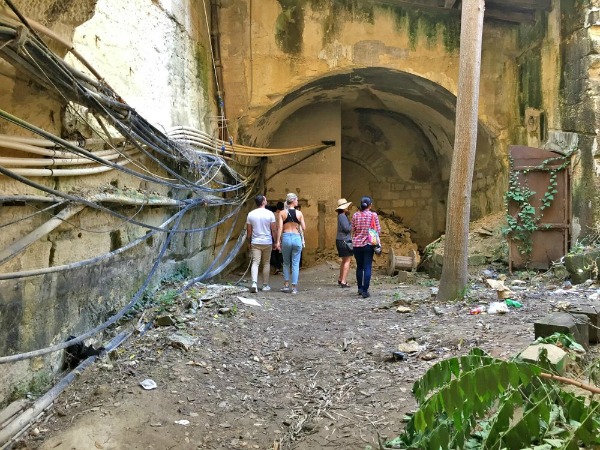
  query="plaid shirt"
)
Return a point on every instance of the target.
[{"x": 361, "y": 222}]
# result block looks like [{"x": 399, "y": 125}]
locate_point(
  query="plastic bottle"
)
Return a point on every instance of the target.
[{"x": 512, "y": 303}]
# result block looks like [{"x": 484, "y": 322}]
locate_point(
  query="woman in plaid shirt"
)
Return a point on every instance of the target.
[{"x": 363, "y": 251}]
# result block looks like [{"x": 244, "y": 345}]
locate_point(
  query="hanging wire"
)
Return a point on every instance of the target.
[{"x": 216, "y": 182}]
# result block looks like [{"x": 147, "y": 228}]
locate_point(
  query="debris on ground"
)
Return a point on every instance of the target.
[
  {"x": 312, "y": 370},
  {"x": 487, "y": 245}
]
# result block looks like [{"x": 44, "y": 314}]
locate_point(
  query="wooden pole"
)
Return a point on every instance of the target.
[{"x": 454, "y": 270}]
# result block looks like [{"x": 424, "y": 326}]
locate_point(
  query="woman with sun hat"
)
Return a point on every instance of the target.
[{"x": 343, "y": 240}]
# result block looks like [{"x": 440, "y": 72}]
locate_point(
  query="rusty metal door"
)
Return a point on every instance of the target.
[{"x": 550, "y": 241}]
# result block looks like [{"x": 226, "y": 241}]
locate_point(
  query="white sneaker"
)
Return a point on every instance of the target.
[
  {"x": 254, "y": 288},
  {"x": 266, "y": 287}
]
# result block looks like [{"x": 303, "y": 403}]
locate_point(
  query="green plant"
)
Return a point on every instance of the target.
[
  {"x": 431, "y": 248},
  {"x": 465, "y": 292},
  {"x": 577, "y": 248},
  {"x": 427, "y": 282},
  {"x": 563, "y": 340},
  {"x": 166, "y": 299},
  {"x": 36, "y": 386},
  {"x": 480, "y": 402},
  {"x": 398, "y": 296},
  {"x": 522, "y": 224},
  {"x": 182, "y": 273}
]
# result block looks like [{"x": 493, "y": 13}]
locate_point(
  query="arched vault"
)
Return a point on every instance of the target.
[{"x": 396, "y": 136}]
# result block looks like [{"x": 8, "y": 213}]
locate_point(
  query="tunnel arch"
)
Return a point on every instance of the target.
[{"x": 395, "y": 141}]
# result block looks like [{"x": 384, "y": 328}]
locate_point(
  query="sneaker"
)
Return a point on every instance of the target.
[
  {"x": 360, "y": 292},
  {"x": 266, "y": 287},
  {"x": 366, "y": 294},
  {"x": 285, "y": 289},
  {"x": 294, "y": 291},
  {"x": 254, "y": 288}
]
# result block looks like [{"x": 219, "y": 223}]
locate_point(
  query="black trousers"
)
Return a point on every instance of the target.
[{"x": 277, "y": 260}]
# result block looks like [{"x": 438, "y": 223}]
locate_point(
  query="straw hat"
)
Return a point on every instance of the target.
[{"x": 342, "y": 203}]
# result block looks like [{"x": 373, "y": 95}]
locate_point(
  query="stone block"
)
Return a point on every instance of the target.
[
  {"x": 560, "y": 322},
  {"x": 477, "y": 260},
  {"x": 581, "y": 266},
  {"x": 556, "y": 356},
  {"x": 402, "y": 276},
  {"x": 593, "y": 314}
]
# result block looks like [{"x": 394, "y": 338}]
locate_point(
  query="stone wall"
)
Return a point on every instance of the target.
[
  {"x": 316, "y": 180},
  {"x": 539, "y": 84},
  {"x": 156, "y": 55},
  {"x": 395, "y": 75},
  {"x": 580, "y": 109}
]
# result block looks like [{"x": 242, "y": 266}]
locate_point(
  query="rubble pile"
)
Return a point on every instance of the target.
[
  {"x": 394, "y": 236},
  {"x": 487, "y": 244}
]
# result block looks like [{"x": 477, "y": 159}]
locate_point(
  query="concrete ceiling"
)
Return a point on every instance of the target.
[{"x": 511, "y": 11}]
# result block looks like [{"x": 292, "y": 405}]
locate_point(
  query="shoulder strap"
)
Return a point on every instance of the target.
[{"x": 373, "y": 221}]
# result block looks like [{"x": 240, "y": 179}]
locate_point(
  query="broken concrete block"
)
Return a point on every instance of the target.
[
  {"x": 581, "y": 265},
  {"x": 182, "y": 340},
  {"x": 565, "y": 323},
  {"x": 593, "y": 314},
  {"x": 165, "y": 321},
  {"x": 583, "y": 329},
  {"x": 557, "y": 356}
]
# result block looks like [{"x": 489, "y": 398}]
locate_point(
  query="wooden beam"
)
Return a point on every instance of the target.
[
  {"x": 505, "y": 15},
  {"x": 544, "y": 5},
  {"x": 423, "y": 5},
  {"x": 510, "y": 11}
]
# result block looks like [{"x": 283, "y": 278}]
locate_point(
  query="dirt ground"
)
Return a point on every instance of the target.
[{"x": 310, "y": 371}]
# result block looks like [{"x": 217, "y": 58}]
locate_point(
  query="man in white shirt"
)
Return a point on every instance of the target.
[{"x": 261, "y": 229}]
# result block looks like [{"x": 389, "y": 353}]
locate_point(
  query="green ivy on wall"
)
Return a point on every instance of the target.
[{"x": 521, "y": 226}]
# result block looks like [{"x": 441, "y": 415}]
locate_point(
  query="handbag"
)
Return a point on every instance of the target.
[
  {"x": 349, "y": 245},
  {"x": 373, "y": 237}
]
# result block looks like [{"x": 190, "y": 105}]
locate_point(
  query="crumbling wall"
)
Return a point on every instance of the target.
[
  {"x": 156, "y": 55},
  {"x": 580, "y": 109},
  {"x": 281, "y": 56}
]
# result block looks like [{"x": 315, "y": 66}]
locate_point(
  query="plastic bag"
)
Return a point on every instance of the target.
[{"x": 497, "y": 308}]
